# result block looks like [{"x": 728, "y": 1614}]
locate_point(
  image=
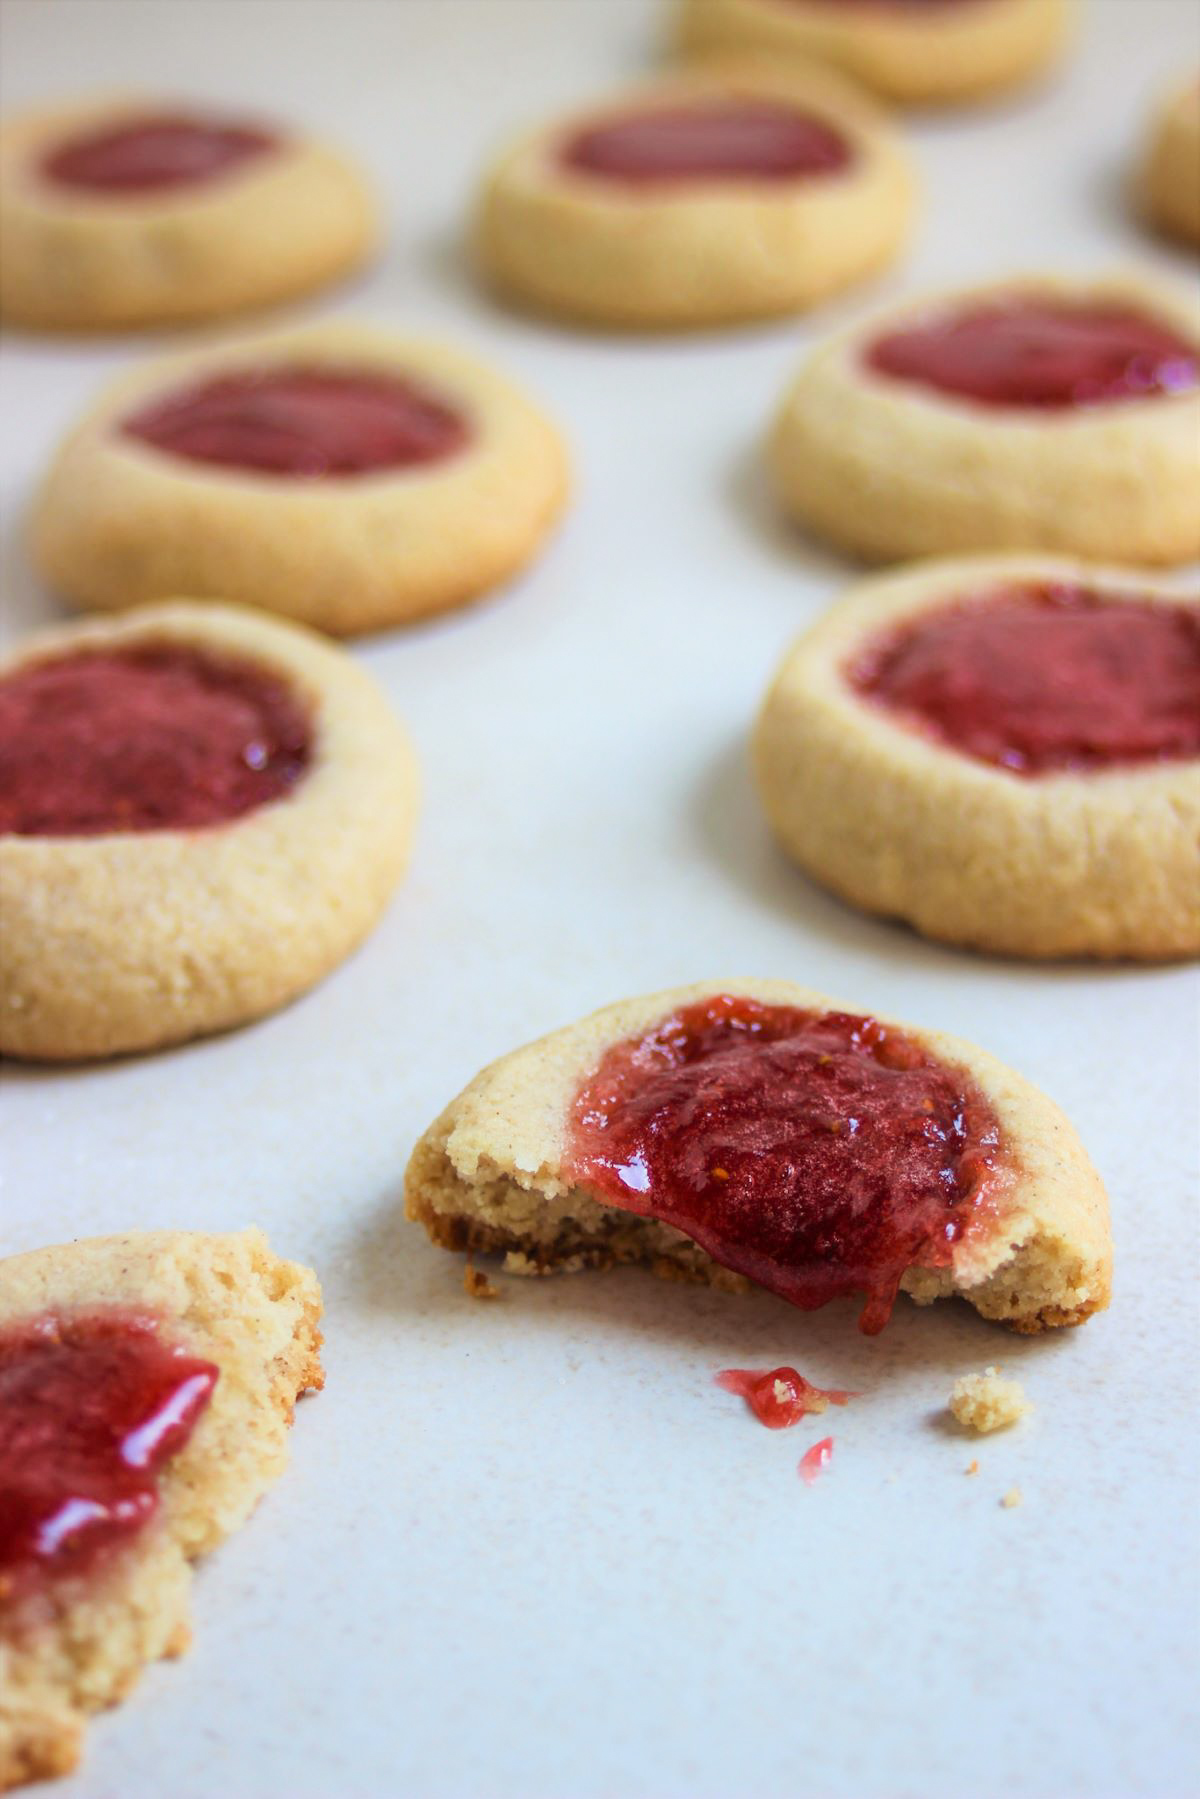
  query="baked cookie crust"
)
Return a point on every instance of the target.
[
  {"x": 133, "y": 940},
  {"x": 709, "y": 252},
  {"x": 292, "y": 220},
  {"x": 81, "y": 1645},
  {"x": 889, "y": 470},
  {"x": 118, "y": 522},
  {"x": 489, "y": 1176},
  {"x": 1169, "y": 181},
  {"x": 1104, "y": 863}
]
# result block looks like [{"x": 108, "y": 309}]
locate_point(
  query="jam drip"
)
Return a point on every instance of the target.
[
  {"x": 1046, "y": 678},
  {"x": 814, "y": 1461},
  {"x": 1042, "y": 353},
  {"x": 780, "y": 1397},
  {"x": 149, "y": 154},
  {"x": 92, "y": 1408},
  {"x": 735, "y": 139},
  {"x": 158, "y": 737},
  {"x": 821, "y": 1154},
  {"x": 304, "y": 422}
]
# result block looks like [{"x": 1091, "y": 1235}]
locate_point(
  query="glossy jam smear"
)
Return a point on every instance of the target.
[
  {"x": 1046, "y": 678},
  {"x": 157, "y": 737},
  {"x": 1025, "y": 351},
  {"x": 780, "y": 1397},
  {"x": 92, "y": 1407},
  {"x": 814, "y": 1461},
  {"x": 821, "y": 1154},
  {"x": 304, "y": 422},
  {"x": 147, "y": 155},
  {"x": 735, "y": 139}
]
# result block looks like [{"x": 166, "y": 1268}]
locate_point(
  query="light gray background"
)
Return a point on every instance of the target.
[{"x": 528, "y": 1551}]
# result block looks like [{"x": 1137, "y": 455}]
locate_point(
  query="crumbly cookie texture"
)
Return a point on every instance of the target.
[
  {"x": 489, "y": 1175},
  {"x": 714, "y": 252},
  {"x": 918, "y": 56},
  {"x": 133, "y": 940},
  {"x": 986, "y": 1402},
  {"x": 81, "y": 1645},
  {"x": 887, "y": 470},
  {"x": 1103, "y": 864},
  {"x": 1169, "y": 179},
  {"x": 117, "y": 523},
  {"x": 293, "y": 220}
]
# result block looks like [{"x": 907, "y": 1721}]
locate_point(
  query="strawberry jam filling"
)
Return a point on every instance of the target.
[
  {"x": 821, "y": 1154},
  {"x": 303, "y": 422},
  {"x": 146, "y": 155},
  {"x": 155, "y": 737},
  {"x": 712, "y": 140},
  {"x": 1027, "y": 351},
  {"x": 1046, "y": 678},
  {"x": 780, "y": 1397},
  {"x": 92, "y": 1408}
]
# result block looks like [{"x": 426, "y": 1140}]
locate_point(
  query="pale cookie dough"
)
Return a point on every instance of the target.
[
  {"x": 490, "y": 1174},
  {"x": 136, "y": 939},
  {"x": 889, "y": 469},
  {"x": 706, "y": 250},
  {"x": 119, "y": 521},
  {"x": 1101, "y": 863},
  {"x": 916, "y": 55},
  {"x": 80, "y": 1646},
  {"x": 1170, "y": 176},
  {"x": 988, "y": 1401},
  {"x": 292, "y": 218}
]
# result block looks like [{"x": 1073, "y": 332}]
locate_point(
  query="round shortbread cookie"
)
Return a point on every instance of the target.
[{"x": 1169, "y": 180}]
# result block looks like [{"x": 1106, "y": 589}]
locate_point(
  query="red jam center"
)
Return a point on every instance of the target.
[
  {"x": 780, "y": 1397},
  {"x": 148, "y": 154},
  {"x": 158, "y": 737},
  {"x": 821, "y": 1154},
  {"x": 303, "y": 421},
  {"x": 759, "y": 140},
  {"x": 92, "y": 1407},
  {"x": 1043, "y": 353},
  {"x": 1046, "y": 678}
]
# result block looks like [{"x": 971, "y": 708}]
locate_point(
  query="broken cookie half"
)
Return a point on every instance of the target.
[
  {"x": 755, "y": 1130},
  {"x": 146, "y": 1387}
]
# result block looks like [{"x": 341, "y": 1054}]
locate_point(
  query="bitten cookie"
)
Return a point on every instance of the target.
[
  {"x": 147, "y": 1383},
  {"x": 699, "y": 199},
  {"x": 1170, "y": 175},
  {"x": 122, "y": 212},
  {"x": 1005, "y": 753},
  {"x": 202, "y": 811},
  {"x": 341, "y": 476},
  {"x": 917, "y": 54},
  {"x": 756, "y": 1129},
  {"x": 1033, "y": 414}
]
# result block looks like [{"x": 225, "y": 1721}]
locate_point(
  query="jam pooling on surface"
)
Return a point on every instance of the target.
[
  {"x": 154, "y": 737},
  {"x": 146, "y": 155},
  {"x": 780, "y": 1397},
  {"x": 704, "y": 140},
  {"x": 305, "y": 422},
  {"x": 1046, "y": 678},
  {"x": 814, "y": 1461},
  {"x": 821, "y": 1154},
  {"x": 92, "y": 1407},
  {"x": 1036, "y": 351}
]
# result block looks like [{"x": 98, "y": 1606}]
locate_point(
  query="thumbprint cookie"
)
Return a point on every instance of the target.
[{"x": 1170, "y": 176}]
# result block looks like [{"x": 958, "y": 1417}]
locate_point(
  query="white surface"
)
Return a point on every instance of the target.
[{"x": 527, "y": 1551}]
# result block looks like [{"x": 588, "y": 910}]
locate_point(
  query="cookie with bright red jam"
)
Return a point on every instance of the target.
[
  {"x": 153, "y": 737},
  {"x": 154, "y": 154},
  {"x": 821, "y": 1154},
  {"x": 722, "y": 139},
  {"x": 304, "y": 422},
  {"x": 1047, "y": 678},
  {"x": 93, "y": 1406},
  {"x": 1039, "y": 352}
]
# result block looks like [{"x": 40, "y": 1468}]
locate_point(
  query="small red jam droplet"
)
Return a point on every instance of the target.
[
  {"x": 92, "y": 1407},
  {"x": 1046, "y": 678},
  {"x": 303, "y": 422},
  {"x": 780, "y": 1397},
  {"x": 821, "y": 1154},
  {"x": 814, "y": 1461},
  {"x": 146, "y": 155},
  {"x": 158, "y": 737},
  {"x": 1043, "y": 353},
  {"x": 736, "y": 140}
]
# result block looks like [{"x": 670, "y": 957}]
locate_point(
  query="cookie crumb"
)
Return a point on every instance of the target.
[
  {"x": 971, "y": 1468},
  {"x": 987, "y": 1401},
  {"x": 477, "y": 1285},
  {"x": 1013, "y": 1497}
]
